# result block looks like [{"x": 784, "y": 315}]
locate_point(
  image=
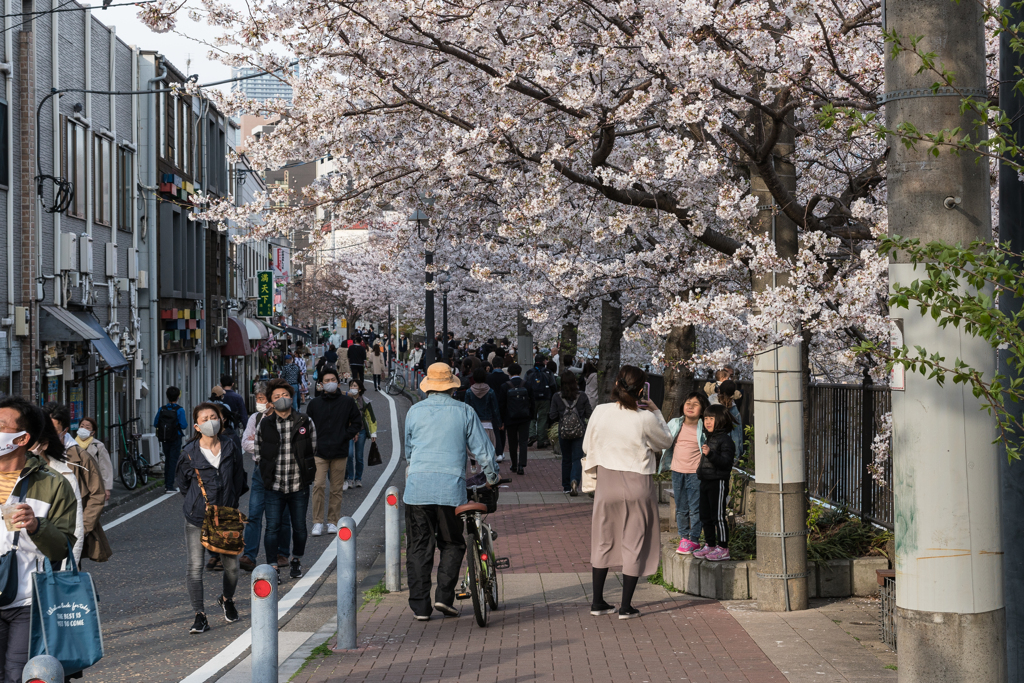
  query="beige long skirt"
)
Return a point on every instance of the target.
[{"x": 624, "y": 530}]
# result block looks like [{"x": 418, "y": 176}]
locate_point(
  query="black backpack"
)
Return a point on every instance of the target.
[
  {"x": 517, "y": 402},
  {"x": 537, "y": 381},
  {"x": 572, "y": 426},
  {"x": 167, "y": 427}
]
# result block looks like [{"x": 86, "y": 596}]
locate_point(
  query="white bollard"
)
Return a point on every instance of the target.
[
  {"x": 346, "y": 544},
  {"x": 392, "y": 541},
  {"x": 43, "y": 669},
  {"x": 264, "y": 624}
]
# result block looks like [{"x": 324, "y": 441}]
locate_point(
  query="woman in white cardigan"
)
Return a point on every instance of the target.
[{"x": 622, "y": 443}]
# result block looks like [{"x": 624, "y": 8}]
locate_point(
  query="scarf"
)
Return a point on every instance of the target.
[
  {"x": 480, "y": 390},
  {"x": 83, "y": 443}
]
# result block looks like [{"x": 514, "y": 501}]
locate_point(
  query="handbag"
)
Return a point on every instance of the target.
[
  {"x": 65, "y": 617},
  {"x": 223, "y": 526},
  {"x": 374, "y": 457},
  {"x": 588, "y": 483},
  {"x": 9, "y": 563},
  {"x": 97, "y": 547}
]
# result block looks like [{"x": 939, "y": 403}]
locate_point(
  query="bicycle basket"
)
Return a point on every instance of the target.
[{"x": 488, "y": 497}]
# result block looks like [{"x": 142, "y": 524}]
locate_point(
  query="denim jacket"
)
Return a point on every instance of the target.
[
  {"x": 674, "y": 426},
  {"x": 438, "y": 431}
]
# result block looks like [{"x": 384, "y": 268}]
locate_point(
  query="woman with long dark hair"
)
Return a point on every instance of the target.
[
  {"x": 622, "y": 443},
  {"x": 570, "y": 409}
]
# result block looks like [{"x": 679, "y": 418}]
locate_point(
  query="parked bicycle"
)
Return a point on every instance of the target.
[
  {"x": 133, "y": 468},
  {"x": 482, "y": 565},
  {"x": 396, "y": 383}
]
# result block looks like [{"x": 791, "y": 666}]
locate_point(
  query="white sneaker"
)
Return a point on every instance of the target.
[
  {"x": 500, "y": 458},
  {"x": 359, "y": 483},
  {"x": 332, "y": 529},
  {"x": 318, "y": 529},
  {"x": 346, "y": 485}
]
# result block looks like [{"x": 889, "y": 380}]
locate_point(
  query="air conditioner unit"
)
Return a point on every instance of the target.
[
  {"x": 222, "y": 336},
  {"x": 143, "y": 279},
  {"x": 133, "y": 263},
  {"x": 111, "y": 259},
  {"x": 150, "y": 449},
  {"x": 68, "y": 251},
  {"x": 85, "y": 254}
]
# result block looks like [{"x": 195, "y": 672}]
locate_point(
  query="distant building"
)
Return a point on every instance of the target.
[{"x": 263, "y": 87}]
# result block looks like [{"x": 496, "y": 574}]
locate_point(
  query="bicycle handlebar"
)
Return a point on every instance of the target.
[{"x": 125, "y": 423}]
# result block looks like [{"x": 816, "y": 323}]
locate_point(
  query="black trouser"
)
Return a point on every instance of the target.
[
  {"x": 499, "y": 441},
  {"x": 518, "y": 436},
  {"x": 427, "y": 527},
  {"x": 712, "y": 512},
  {"x": 357, "y": 372}
]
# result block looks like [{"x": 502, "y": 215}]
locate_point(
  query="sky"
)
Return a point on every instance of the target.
[{"x": 178, "y": 49}]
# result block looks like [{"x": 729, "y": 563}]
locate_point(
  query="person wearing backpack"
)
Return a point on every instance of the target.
[
  {"x": 517, "y": 408},
  {"x": 571, "y": 410},
  {"x": 484, "y": 401},
  {"x": 541, "y": 385},
  {"x": 170, "y": 423}
]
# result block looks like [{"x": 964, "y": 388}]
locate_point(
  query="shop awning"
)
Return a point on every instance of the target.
[
  {"x": 238, "y": 339},
  {"x": 275, "y": 328},
  {"x": 58, "y": 324},
  {"x": 294, "y": 330},
  {"x": 255, "y": 329},
  {"x": 103, "y": 344}
]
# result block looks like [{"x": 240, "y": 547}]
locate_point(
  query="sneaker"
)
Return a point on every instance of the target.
[
  {"x": 282, "y": 560},
  {"x": 359, "y": 483},
  {"x": 567, "y": 492},
  {"x": 332, "y": 529},
  {"x": 201, "y": 625},
  {"x": 318, "y": 530},
  {"x": 702, "y": 552},
  {"x": 499, "y": 458},
  {"x": 520, "y": 471},
  {"x": 718, "y": 555},
  {"x": 574, "y": 488},
  {"x": 296, "y": 572},
  {"x": 602, "y": 609},
  {"x": 228, "y": 605},
  {"x": 422, "y": 617},
  {"x": 686, "y": 546},
  {"x": 214, "y": 565},
  {"x": 446, "y": 610},
  {"x": 630, "y": 613},
  {"x": 246, "y": 563},
  {"x": 346, "y": 485}
]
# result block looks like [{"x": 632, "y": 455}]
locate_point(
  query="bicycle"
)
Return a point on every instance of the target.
[
  {"x": 395, "y": 384},
  {"x": 481, "y": 580},
  {"x": 131, "y": 465}
]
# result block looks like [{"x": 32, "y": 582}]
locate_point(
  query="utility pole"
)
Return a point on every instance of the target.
[
  {"x": 950, "y": 614},
  {"x": 778, "y": 412},
  {"x": 524, "y": 341},
  {"x": 1011, "y": 235}
]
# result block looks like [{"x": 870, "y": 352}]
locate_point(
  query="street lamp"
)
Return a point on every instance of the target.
[
  {"x": 423, "y": 221},
  {"x": 446, "y": 287}
]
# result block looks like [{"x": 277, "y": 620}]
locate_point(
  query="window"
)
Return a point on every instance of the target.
[
  {"x": 186, "y": 139},
  {"x": 73, "y": 166},
  {"x": 103, "y": 178},
  {"x": 170, "y": 107},
  {"x": 161, "y": 122},
  {"x": 4, "y": 143},
  {"x": 125, "y": 165}
]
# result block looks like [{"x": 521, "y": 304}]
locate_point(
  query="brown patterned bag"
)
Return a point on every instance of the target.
[{"x": 223, "y": 526}]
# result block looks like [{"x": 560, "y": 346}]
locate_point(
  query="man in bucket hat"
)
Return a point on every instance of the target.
[{"x": 438, "y": 433}]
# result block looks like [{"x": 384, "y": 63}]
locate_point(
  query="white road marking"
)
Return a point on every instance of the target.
[
  {"x": 125, "y": 518},
  {"x": 244, "y": 641}
]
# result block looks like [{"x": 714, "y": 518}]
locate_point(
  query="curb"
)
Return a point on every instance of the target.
[{"x": 132, "y": 495}]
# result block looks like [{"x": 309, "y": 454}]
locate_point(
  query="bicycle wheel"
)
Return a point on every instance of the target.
[
  {"x": 492, "y": 573},
  {"x": 476, "y": 588},
  {"x": 143, "y": 469},
  {"x": 129, "y": 477}
]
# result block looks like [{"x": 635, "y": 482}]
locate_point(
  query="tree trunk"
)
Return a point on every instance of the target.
[
  {"x": 610, "y": 349},
  {"x": 679, "y": 348},
  {"x": 568, "y": 341}
]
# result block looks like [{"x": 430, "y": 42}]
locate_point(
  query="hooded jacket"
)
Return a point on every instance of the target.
[
  {"x": 486, "y": 406},
  {"x": 224, "y": 485},
  {"x": 717, "y": 462},
  {"x": 338, "y": 420}
]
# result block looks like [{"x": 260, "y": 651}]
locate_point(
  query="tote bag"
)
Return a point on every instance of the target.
[{"x": 65, "y": 621}]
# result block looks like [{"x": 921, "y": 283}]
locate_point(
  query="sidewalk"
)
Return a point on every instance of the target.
[{"x": 544, "y": 631}]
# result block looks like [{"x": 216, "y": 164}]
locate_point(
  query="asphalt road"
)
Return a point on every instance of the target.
[{"x": 144, "y": 604}]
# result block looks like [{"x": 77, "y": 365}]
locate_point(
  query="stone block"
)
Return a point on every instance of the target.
[
  {"x": 723, "y": 580},
  {"x": 834, "y": 579},
  {"x": 864, "y": 583},
  {"x": 689, "y": 574},
  {"x": 812, "y": 579}
]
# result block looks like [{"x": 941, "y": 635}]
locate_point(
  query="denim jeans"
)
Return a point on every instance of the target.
[
  {"x": 686, "y": 491},
  {"x": 278, "y": 506},
  {"x": 572, "y": 453},
  {"x": 172, "y": 451},
  {"x": 255, "y": 525},
  {"x": 15, "y": 629},
  {"x": 295, "y": 397},
  {"x": 356, "y": 458},
  {"x": 195, "y": 555}
]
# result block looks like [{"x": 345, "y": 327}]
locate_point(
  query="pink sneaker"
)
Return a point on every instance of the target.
[
  {"x": 717, "y": 555},
  {"x": 686, "y": 546},
  {"x": 702, "y": 553}
]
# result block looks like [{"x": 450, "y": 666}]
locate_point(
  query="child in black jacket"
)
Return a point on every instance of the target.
[{"x": 714, "y": 470}]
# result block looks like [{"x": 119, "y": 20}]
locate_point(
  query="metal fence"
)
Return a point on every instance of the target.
[{"x": 844, "y": 420}]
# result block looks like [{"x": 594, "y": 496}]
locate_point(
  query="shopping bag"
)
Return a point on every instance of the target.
[
  {"x": 589, "y": 482},
  {"x": 374, "y": 457},
  {"x": 65, "y": 619}
]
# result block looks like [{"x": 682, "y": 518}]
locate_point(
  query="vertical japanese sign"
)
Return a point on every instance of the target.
[
  {"x": 265, "y": 293},
  {"x": 282, "y": 263}
]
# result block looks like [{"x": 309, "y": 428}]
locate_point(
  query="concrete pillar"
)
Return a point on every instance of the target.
[
  {"x": 779, "y": 471},
  {"x": 950, "y": 616}
]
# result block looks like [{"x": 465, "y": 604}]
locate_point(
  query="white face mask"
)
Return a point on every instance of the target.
[
  {"x": 261, "y": 407},
  {"x": 7, "y": 444},
  {"x": 283, "y": 403},
  {"x": 83, "y": 433},
  {"x": 330, "y": 387},
  {"x": 353, "y": 391},
  {"x": 210, "y": 428}
]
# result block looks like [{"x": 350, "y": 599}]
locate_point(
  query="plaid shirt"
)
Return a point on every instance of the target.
[
  {"x": 290, "y": 373},
  {"x": 287, "y": 475}
]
